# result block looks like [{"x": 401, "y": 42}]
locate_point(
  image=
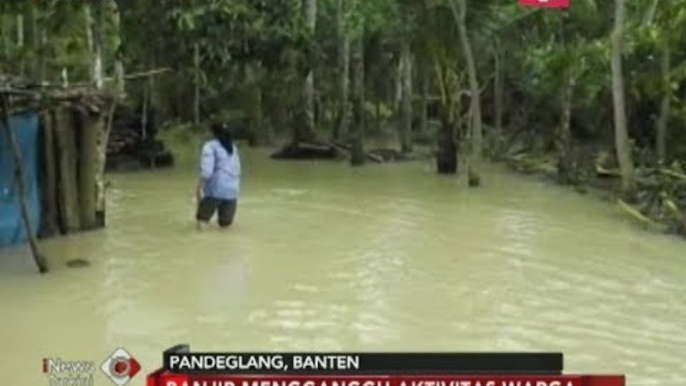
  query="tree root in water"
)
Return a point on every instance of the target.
[{"x": 78, "y": 263}]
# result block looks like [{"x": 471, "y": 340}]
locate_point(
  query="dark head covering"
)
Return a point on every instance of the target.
[{"x": 222, "y": 133}]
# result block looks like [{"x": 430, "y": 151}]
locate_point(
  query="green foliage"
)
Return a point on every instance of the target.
[
  {"x": 539, "y": 50},
  {"x": 242, "y": 30}
]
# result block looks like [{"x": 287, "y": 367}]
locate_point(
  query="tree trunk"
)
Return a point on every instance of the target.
[
  {"x": 196, "y": 83},
  {"x": 304, "y": 130},
  {"x": 39, "y": 44},
  {"x": 276, "y": 107},
  {"x": 88, "y": 162},
  {"x": 65, "y": 77},
  {"x": 5, "y": 38},
  {"x": 98, "y": 46},
  {"x": 21, "y": 189},
  {"x": 20, "y": 30},
  {"x": 564, "y": 166},
  {"x": 20, "y": 42},
  {"x": 343, "y": 113},
  {"x": 476, "y": 135},
  {"x": 665, "y": 107},
  {"x": 357, "y": 156},
  {"x": 147, "y": 89},
  {"x": 398, "y": 98},
  {"x": 120, "y": 82},
  {"x": 377, "y": 115},
  {"x": 88, "y": 21},
  {"x": 68, "y": 192},
  {"x": 267, "y": 134},
  {"x": 623, "y": 146},
  {"x": 103, "y": 137},
  {"x": 446, "y": 157},
  {"x": 260, "y": 133},
  {"x": 423, "y": 114},
  {"x": 155, "y": 102},
  {"x": 498, "y": 89},
  {"x": 102, "y": 133},
  {"x": 406, "y": 102},
  {"x": 43, "y": 68},
  {"x": 35, "y": 43},
  {"x": 650, "y": 15}
]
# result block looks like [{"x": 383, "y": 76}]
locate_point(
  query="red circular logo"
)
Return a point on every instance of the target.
[{"x": 120, "y": 367}]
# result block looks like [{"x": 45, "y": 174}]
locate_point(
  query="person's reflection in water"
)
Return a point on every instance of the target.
[{"x": 219, "y": 184}]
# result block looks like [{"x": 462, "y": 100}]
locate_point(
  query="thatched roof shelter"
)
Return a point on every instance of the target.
[{"x": 71, "y": 128}]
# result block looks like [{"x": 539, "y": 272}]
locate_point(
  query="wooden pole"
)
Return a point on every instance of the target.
[
  {"x": 49, "y": 177},
  {"x": 19, "y": 180},
  {"x": 102, "y": 140},
  {"x": 88, "y": 169},
  {"x": 67, "y": 167}
]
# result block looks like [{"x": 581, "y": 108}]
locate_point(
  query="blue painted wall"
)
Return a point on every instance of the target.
[{"x": 25, "y": 129}]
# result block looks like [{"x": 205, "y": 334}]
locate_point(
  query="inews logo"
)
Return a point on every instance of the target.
[{"x": 120, "y": 367}]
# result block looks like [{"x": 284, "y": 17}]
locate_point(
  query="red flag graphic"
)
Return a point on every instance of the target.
[{"x": 545, "y": 3}]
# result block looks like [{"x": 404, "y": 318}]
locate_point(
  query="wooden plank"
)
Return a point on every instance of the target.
[
  {"x": 91, "y": 125},
  {"x": 68, "y": 192},
  {"x": 48, "y": 182}
]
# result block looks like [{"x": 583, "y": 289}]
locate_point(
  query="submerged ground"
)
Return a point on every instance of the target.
[{"x": 327, "y": 257}]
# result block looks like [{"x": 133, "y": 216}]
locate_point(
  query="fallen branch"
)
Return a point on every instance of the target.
[
  {"x": 374, "y": 157},
  {"x": 640, "y": 217},
  {"x": 371, "y": 156},
  {"x": 341, "y": 146},
  {"x": 145, "y": 74},
  {"x": 672, "y": 208},
  {"x": 601, "y": 171},
  {"x": 46, "y": 84},
  {"x": 313, "y": 146},
  {"x": 673, "y": 173},
  {"x": 525, "y": 162}
]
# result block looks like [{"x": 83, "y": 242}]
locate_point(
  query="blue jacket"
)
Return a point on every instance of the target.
[{"x": 220, "y": 171}]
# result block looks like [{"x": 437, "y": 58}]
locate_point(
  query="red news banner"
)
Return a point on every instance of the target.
[
  {"x": 388, "y": 380},
  {"x": 183, "y": 368}
]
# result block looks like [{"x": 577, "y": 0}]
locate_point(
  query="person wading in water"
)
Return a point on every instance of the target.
[{"x": 220, "y": 173}]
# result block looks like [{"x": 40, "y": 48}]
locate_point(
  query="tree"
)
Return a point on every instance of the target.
[
  {"x": 662, "y": 30},
  {"x": 20, "y": 41},
  {"x": 459, "y": 8},
  {"x": 406, "y": 95},
  {"x": 438, "y": 46},
  {"x": 498, "y": 85},
  {"x": 622, "y": 144},
  {"x": 98, "y": 26},
  {"x": 304, "y": 130},
  {"x": 357, "y": 156},
  {"x": 343, "y": 57},
  {"x": 120, "y": 83}
]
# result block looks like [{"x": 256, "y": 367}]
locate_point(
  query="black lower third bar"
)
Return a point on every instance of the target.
[{"x": 364, "y": 363}]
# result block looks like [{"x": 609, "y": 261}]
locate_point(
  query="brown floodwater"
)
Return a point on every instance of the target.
[{"x": 328, "y": 257}]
